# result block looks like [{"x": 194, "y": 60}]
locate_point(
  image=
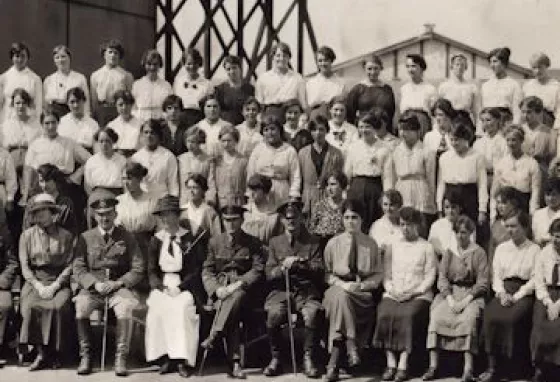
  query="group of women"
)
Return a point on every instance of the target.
[{"x": 446, "y": 190}]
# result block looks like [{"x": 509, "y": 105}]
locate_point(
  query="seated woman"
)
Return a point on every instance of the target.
[
  {"x": 9, "y": 268},
  {"x": 507, "y": 318},
  {"x": 387, "y": 229},
  {"x": 545, "y": 334},
  {"x": 546, "y": 215},
  {"x": 456, "y": 311},
  {"x": 261, "y": 219},
  {"x": 45, "y": 255},
  {"x": 197, "y": 215},
  {"x": 174, "y": 265},
  {"x": 403, "y": 313},
  {"x": 353, "y": 270},
  {"x": 104, "y": 169}
]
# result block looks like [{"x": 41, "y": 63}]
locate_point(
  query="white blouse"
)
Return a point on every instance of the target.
[
  {"x": 106, "y": 81},
  {"x": 149, "y": 96},
  {"x": 433, "y": 139},
  {"x": 320, "y": 89},
  {"x": 342, "y": 136},
  {"x": 212, "y": 146},
  {"x": 542, "y": 219},
  {"x": 128, "y": 132},
  {"x": 442, "y": 236},
  {"x": 171, "y": 263},
  {"x": 491, "y": 148},
  {"x": 505, "y": 92},
  {"x": 249, "y": 138},
  {"x": 549, "y": 93},
  {"x": 136, "y": 215},
  {"x": 56, "y": 87},
  {"x": 463, "y": 95},
  {"x": 368, "y": 160},
  {"x": 26, "y": 79},
  {"x": 385, "y": 233},
  {"x": 417, "y": 96},
  {"x": 80, "y": 131},
  {"x": 513, "y": 261},
  {"x": 100, "y": 171},
  {"x": 273, "y": 87},
  {"x": 162, "y": 175},
  {"x": 191, "y": 91},
  {"x": 16, "y": 133}
]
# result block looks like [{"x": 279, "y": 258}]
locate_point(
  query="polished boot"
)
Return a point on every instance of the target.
[
  {"x": 352, "y": 352},
  {"x": 122, "y": 339},
  {"x": 237, "y": 371},
  {"x": 332, "y": 373},
  {"x": 84, "y": 339},
  {"x": 309, "y": 346},
  {"x": 40, "y": 361},
  {"x": 274, "y": 368}
]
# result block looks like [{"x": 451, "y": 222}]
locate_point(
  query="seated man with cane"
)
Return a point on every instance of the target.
[
  {"x": 234, "y": 264},
  {"x": 108, "y": 264},
  {"x": 295, "y": 271}
]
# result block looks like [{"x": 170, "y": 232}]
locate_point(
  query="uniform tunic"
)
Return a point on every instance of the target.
[
  {"x": 231, "y": 99},
  {"x": 351, "y": 258},
  {"x": 45, "y": 258},
  {"x": 9, "y": 268},
  {"x": 364, "y": 96},
  {"x": 149, "y": 96},
  {"x": 162, "y": 175},
  {"x": 507, "y": 328},
  {"x": 26, "y": 79},
  {"x": 461, "y": 273},
  {"x": 172, "y": 323},
  {"x": 227, "y": 180},
  {"x": 56, "y": 86}
]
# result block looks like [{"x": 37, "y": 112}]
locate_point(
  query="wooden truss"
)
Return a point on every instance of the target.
[{"x": 251, "y": 57}]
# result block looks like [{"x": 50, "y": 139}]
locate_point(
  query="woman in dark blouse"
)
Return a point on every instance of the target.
[
  {"x": 231, "y": 94},
  {"x": 370, "y": 92}
]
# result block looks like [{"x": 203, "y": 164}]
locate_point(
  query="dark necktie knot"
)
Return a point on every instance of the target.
[
  {"x": 106, "y": 237},
  {"x": 170, "y": 248},
  {"x": 555, "y": 274}
]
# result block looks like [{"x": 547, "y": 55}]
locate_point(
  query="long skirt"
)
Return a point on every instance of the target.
[
  {"x": 172, "y": 327},
  {"x": 545, "y": 336},
  {"x": 5, "y": 308},
  {"x": 401, "y": 326},
  {"x": 351, "y": 315},
  {"x": 506, "y": 328},
  {"x": 367, "y": 190},
  {"x": 455, "y": 331},
  {"x": 45, "y": 322}
]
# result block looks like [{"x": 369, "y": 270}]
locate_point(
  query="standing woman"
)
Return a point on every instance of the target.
[
  {"x": 77, "y": 125},
  {"x": 507, "y": 318},
  {"x": 194, "y": 161},
  {"x": 322, "y": 88},
  {"x": 20, "y": 76},
  {"x": 107, "y": 80},
  {"x": 437, "y": 139},
  {"x": 174, "y": 267},
  {"x": 56, "y": 85},
  {"x": 191, "y": 86},
  {"x": 277, "y": 160},
  {"x": 370, "y": 92},
  {"x": 162, "y": 175},
  {"x": 318, "y": 161},
  {"x": 544, "y": 87},
  {"x": 456, "y": 312},
  {"x": 280, "y": 84},
  {"x": 126, "y": 125},
  {"x": 353, "y": 272},
  {"x": 519, "y": 170},
  {"x": 403, "y": 313},
  {"x": 545, "y": 335},
  {"x": 232, "y": 93},
  {"x": 45, "y": 255},
  {"x": 502, "y": 91},
  {"x": 368, "y": 169},
  {"x": 462, "y": 94},
  {"x": 417, "y": 95},
  {"x": 104, "y": 169},
  {"x": 150, "y": 90},
  {"x": 261, "y": 219}
]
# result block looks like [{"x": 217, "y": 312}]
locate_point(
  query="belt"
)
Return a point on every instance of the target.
[
  {"x": 372, "y": 177},
  {"x": 412, "y": 177},
  {"x": 349, "y": 277},
  {"x": 274, "y": 105},
  {"x": 17, "y": 147}
]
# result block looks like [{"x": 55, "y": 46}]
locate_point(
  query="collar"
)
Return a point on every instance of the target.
[
  {"x": 103, "y": 232},
  {"x": 165, "y": 235}
]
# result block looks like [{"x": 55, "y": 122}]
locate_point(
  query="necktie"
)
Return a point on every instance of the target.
[
  {"x": 170, "y": 248},
  {"x": 555, "y": 274},
  {"x": 106, "y": 237},
  {"x": 353, "y": 258}
]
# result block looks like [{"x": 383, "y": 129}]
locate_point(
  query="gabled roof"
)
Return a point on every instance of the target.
[{"x": 428, "y": 35}]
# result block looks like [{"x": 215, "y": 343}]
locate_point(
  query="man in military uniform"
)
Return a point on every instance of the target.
[
  {"x": 108, "y": 265},
  {"x": 297, "y": 253},
  {"x": 234, "y": 264}
]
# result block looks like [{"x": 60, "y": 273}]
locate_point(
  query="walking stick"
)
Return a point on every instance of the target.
[
  {"x": 290, "y": 326},
  {"x": 105, "y": 324}
]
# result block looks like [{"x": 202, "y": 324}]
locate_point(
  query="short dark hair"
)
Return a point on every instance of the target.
[
  {"x": 373, "y": 58},
  {"x": 172, "y": 100},
  {"x": 409, "y": 121},
  {"x": 229, "y": 130},
  {"x": 318, "y": 120},
  {"x": 135, "y": 170},
  {"x": 194, "y": 54},
  {"x": 208, "y": 97},
  {"x": 411, "y": 215},
  {"x": 61, "y": 48},
  {"x": 532, "y": 103},
  {"x": 494, "y": 112},
  {"x": 340, "y": 177},
  {"x": 339, "y": 99},
  {"x": 196, "y": 132},
  {"x": 200, "y": 180},
  {"x": 552, "y": 184},
  {"x": 394, "y": 197},
  {"x": 232, "y": 60},
  {"x": 76, "y": 92},
  {"x": 444, "y": 105},
  {"x": 327, "y": 52},
  {"x": 17, "y": 47},
  {"x": 285, "y": 48},
  {"x": 155, "y": 125},
  {"x": 125, "y": 95},
  {"x": 464, "y": 221},
  {"x": 112, "y": 44},
  {"x": 292, "y": 102},
  {"x": 49, "y": 172},
  {"x": 252, "y": 100},
  {"x": 453, "y": 197},
  {"x": 151, "y": 55},
  {"x": 25, "y": 96},
  {"x": 110, "y": 133},
  {"x": 501, "y": 54},
  {"x": 509, "y": 195},
  {"x": 272, "y": 119},
  {"x": 355, "y": 206},
  {"x": 372, "y": 119},
  {"x": 49, "y": 110},
  {"x": 554, "y": 227},
  {"x": 418, "y": 60},
  {"x": 460, "y": 128}
]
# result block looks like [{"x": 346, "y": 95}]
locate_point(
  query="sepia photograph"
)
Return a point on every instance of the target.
[{"x": 280, "y": 190}]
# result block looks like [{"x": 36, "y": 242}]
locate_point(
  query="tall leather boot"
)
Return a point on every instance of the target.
[
  {"x": 309, "y": 346},
  {"x": 122, "y": 339},
  {"x": 84, "y": 339},
  {"x": 332, "y": 373},
  {"x": 274, "y": 368}
]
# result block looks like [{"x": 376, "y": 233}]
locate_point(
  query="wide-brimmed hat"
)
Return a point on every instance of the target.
[
  {"x": 290, "y": 209},
  {"x": 232, "y": 211},
  {"x": 42, "y": 202},
  {"x": 102, "y": 200},
  {"x": 167, "y": 203}
]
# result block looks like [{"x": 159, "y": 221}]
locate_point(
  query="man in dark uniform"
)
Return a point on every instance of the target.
[
  {"x": 9, "y": 268},
  {"x": 234, "y": 264},
  {"x": 297, "y": 253},
  {"x": 108, "y": 264}
]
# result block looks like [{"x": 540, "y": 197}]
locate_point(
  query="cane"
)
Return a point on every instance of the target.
[
  {"x": 290, "y": 326},
  {"x": 105, "y": 324}
]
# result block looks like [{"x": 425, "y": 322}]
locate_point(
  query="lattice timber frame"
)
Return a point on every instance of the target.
[{"x": 258, "y": 8}]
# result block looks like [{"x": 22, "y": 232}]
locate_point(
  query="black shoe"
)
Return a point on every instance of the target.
[
  {"x": 309, "y": 368},
  {"x": 3, "y": 362},
  {"x": 430, "y": 374},
  {"x": 274, "y": 368},
  {"x": 389, "y": 374},
  {"x": 39, "y": 363},
  {"x": 184, "y": 370},
  {"x": 488, "y": 376},
  {"x": 165, "y": 367},
  {"x": 401, "y": 375},
  {"x": 331, "y": 375},
  {"x": 538, "y": 375},
  {"x": 468, "y": 376},
  {"x": 237, "y": 372},
  {"x": 353, "y": 358}
]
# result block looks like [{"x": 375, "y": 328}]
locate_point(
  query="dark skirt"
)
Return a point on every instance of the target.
[
  {"x": 545, "y": 336},
  {"x": 5, "y": 308},
  {"x": 45, "y": 322},
  {"x": 105, "y": 113},
  {"x": 368, "y": 190},
  {"x": 469, "y": 196},
  {"x": 401, "y": 326},
  {"x": 191, "y": 117},
  {"x": 506, "y": 328},
  {"x": 351, "y": 315}
]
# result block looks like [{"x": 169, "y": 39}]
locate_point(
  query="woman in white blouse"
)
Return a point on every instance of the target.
[
  {"x": 492, "y": 144},
  {"x": 387, "y": 229},
  {"x": 56, "y": 85},
  {"x": 162, "y": 175},
  {"x": 543, "y": 217},
  {"x": 545, "y": 87},
  {"x": 417, "y": 95},
  {"x": 280, "y": 84},
  {"x": 502, "y": 91},
  {"x": 20, "y": 76},
  {"x": 462, "y": 94},
  {"x": 507, "y": 317},
  {"x": 126, "y": 125},
  {"x": 150, "y": 90},
  {"x": 325, "y": 85},
  {"x": 104, "y": 169},
  {"x": 518, "y": 170},
  {"x": 77, "y": 125}
]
